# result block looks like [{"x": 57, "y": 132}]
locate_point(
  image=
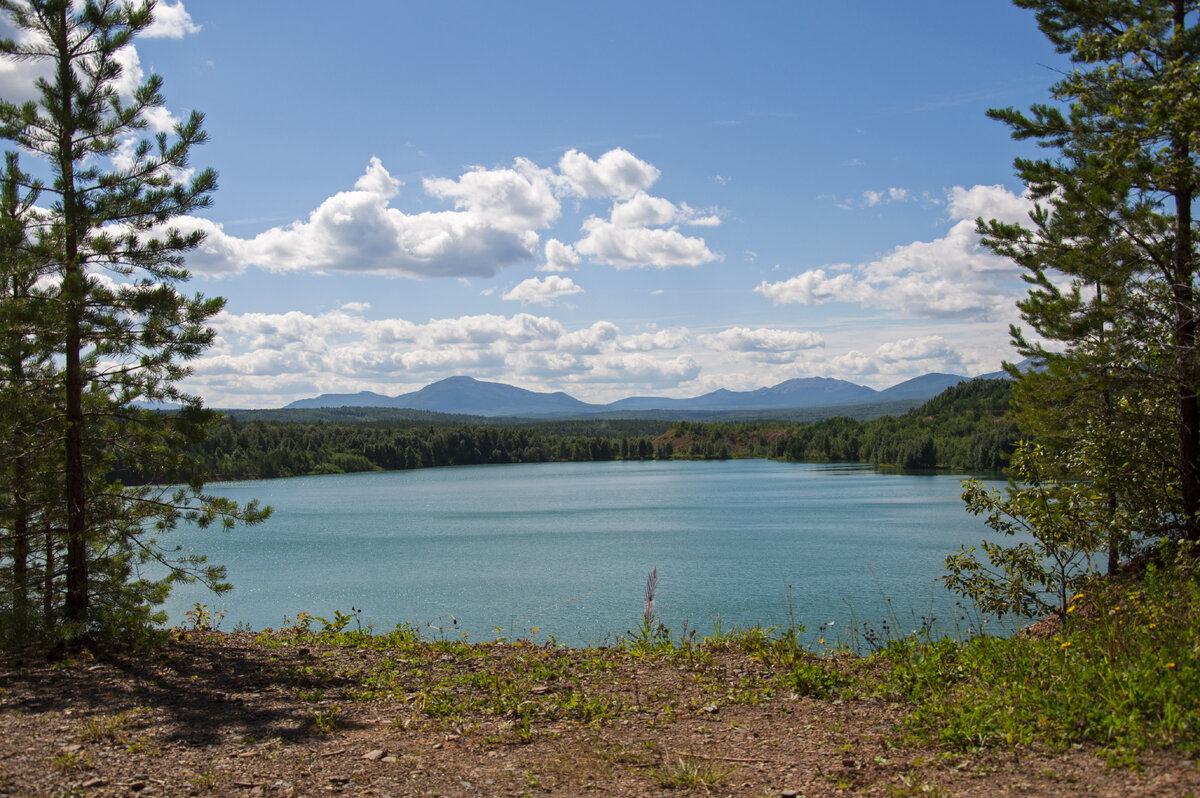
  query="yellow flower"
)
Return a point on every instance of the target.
[
  {"x": 1071, "y": 609},
  {"x": 1153, "y": 625},
  {"x": 1066, "y": 644},
  {"x": 1169, "y": 665}
]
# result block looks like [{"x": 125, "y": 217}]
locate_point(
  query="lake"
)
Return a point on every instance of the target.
[{"x": 564, "y": 549}]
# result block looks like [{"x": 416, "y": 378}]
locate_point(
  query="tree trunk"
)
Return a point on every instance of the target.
[
  {"x": 73, "y": 289},
  {"x": 1185, "y": 318}
]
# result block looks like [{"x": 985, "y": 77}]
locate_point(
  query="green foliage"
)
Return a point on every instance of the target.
[
  {"x": 95, "y": 326},
  {"x": 262, "y": 449},
  {"x": 1055, "y": 524},
  {"x": 816, "y": 679},
  {"x": 1123, "y": 673},
  {"x": 964, "y": 428},
  {"x": 1110, "y": 254}
]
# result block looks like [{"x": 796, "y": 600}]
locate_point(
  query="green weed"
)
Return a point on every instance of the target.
[
  {"x": 689, "y": 773},
  {"x": 1123, "y": 673}
]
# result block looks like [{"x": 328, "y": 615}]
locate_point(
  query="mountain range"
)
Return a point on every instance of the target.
[{"x": 469, "y": 396}]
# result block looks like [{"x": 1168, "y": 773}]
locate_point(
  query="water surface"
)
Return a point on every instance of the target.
[{"x": 565, "y": 547}]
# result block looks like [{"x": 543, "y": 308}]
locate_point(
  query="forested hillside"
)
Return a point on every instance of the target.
[{"x": 963, "y": 428}]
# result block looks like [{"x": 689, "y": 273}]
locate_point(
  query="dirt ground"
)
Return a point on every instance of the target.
[{"x": 221, "y": 714}]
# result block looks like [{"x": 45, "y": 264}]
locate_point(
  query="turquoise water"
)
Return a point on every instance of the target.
[{"x": 566, "y": 547}]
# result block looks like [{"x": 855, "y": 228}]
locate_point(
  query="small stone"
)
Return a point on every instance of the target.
[
  {"x": 339, "y": 780},
  {"x": 92, "y": 783},
  {"x": 711, "y": 708},
  {"x": 374, "y": 756},
  {"x": 791, "y": 794},
  {"x": 257, "y": 791},
  {"x": 391, "y": 760}
]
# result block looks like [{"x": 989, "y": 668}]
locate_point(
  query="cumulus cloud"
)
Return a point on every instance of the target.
[
  {"x": 560, "y": 257},
  {"x": 542, "y": 291},
  {"x": 988, "y": 202},
  {"x": 631, "y": 247},
  {"x": 814, "y": 287},
  {"x": 496, "y": 220},
  {"x": 170, "y": 22},
  {"x": 954, "y": 275},
  {"x": 359, "y": 231},
  {"x": 922, "y": 348},
  {"x": 762, "y": 339},
  {"x": 516, "y": 199},
  {"x": 643, "y": 210},
  {"x": 617, "y": 173}
]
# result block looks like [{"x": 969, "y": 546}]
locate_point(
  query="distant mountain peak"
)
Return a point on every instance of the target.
[{"x": 466, "y": 395}]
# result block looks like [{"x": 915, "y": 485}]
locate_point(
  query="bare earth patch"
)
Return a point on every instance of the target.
[{"x": 222, "y": 714}]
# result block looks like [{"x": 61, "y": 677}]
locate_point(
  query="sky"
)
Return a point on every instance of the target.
[{"x": 608, "y": 199}]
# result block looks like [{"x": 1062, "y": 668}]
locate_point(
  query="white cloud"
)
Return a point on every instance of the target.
[
  {"x": 359, "y": 231},
  {"x": 496, "y": 220},
  {"x": 762, "y": 344},
  {"x": 170, "y": 22},
  {"x": 643, "y": 210},
  {"x": 922, "y": 348},
  {"x": 762, "y": 339},
  {"x": 560, "y": 257},
  {"x": 671, "y": 338},
  {"x": 542, "y": 291},
  {"x": 853, "y": 363},
  {"x": 989, "y": 202},
  {"x": 871, "y": 198},
  {"x": 954, "y": 275},
  {"x": 617, "y": 173},
  {"x": 814, "y": 287},
  {"x": 271, "y": 358},
  {"x": 630, "y": 247},
  {"x": 517, "y": 199}
]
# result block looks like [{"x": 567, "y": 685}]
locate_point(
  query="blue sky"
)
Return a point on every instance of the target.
[{"x": 607, "y": 199}]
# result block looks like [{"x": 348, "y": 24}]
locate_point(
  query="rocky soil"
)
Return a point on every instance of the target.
[{"x": 232, "y": 714}]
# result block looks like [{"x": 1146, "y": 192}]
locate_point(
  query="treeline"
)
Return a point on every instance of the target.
[
  {"x": 263, "y": 449},
  {"x": 963, "y": 428}
]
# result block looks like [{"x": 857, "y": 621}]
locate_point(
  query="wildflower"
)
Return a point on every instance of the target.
[
  {"x": 1152, "y": 625},
  {"x": 1077, "y": 597},
  {"x": 1169, "y": 665},
  {"x": 1067, "y": 644},
  {"x": 1070, "y": 609}
]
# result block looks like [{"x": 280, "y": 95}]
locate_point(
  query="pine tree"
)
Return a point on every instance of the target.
[
  {"x": 1112, "y": 457},
  {"x": 125, "y": 331},
  {"x": 1116, "y": 224}
]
